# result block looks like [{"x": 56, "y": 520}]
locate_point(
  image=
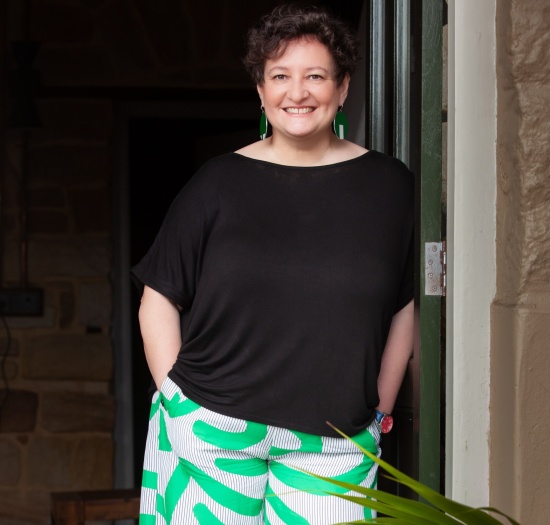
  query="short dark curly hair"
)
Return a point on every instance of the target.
[{"x": 269, "y": 37}]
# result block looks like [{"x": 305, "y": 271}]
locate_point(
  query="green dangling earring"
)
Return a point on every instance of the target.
[
  {"x": 263, "y": 124},
  {"x": 340, "y": 124}
]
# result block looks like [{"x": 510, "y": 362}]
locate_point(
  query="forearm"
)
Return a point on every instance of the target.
[
  {"x": 159, "y": 322},
  {"x": 395, "y": 358}
]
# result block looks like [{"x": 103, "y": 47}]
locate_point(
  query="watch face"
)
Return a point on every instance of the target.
[{"x": 386, "y": 424}]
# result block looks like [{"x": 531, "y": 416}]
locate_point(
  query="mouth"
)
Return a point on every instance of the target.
[{"x": 299, "y": 111}]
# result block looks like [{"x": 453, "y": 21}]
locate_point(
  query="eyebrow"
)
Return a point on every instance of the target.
[{"x": 283, "y": 68}]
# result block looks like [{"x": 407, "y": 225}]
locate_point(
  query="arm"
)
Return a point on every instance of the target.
[
  {"x": 159, "y": 323},
  {"x": 396, "y": 356}
]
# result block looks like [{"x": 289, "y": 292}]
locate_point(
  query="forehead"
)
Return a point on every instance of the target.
[{"x": 307, "y": 50}]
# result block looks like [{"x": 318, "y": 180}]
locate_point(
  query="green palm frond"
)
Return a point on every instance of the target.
[{"x": 432, "y": 509}]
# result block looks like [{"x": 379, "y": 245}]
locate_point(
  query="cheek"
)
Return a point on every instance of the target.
[
  {"x": 272, "y": 96},
  {"x": 328, "y": 96}
]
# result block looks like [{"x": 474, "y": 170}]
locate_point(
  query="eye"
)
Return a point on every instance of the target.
[
  {"x": 315, "y": 77},
  {"x": 279, "y": 77}
]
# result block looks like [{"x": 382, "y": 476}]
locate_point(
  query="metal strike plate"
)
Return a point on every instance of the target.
[{"x": 434, "y": 268}]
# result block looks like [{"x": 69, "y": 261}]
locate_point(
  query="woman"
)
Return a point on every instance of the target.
[{"x": 277, "y": 297}]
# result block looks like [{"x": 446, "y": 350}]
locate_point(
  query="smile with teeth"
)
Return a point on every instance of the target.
[{"x": 299, "y": 111}]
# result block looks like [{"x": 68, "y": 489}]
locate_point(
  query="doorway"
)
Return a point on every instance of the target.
[
  {"x": 163, "y": 154},
  {"x": 161, "y": 145}
]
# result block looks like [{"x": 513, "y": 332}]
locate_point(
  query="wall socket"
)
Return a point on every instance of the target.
[{"x": 21, "y": 301}]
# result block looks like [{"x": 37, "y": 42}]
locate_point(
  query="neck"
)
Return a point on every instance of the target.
[{"x": 312, "y": 151}]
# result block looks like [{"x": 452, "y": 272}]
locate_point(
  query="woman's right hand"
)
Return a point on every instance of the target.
[{"x": 159, "y": 322}]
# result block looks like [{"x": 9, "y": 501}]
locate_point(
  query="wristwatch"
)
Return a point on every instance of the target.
[{"x": 385, "y": 421}]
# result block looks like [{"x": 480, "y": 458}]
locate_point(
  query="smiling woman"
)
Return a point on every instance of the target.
[
  {"x": 300, "y": 95},
  {"x": 302, "y": 70},
  {"x": 282, "y": 272}
]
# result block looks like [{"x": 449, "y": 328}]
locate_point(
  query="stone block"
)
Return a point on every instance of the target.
[
  {"x": 40, "y": 501},
  {"x": 219, "y": 76},
  {"x": 66, "y": 314},
  {"x": 10, "y": 459},
  {"x": 19, "y": 411},
  {"x": 52, "y": 258},
  {"x": 57, "y": 22},
  {"x": 49, "y": 462},
  {"x": 93, "y": 4},
  {"x": 503, "y": 432},
  {"x": 91, "y": 210},
  {"x": 96, "y": 304},
  {"x": 46, "y": 197},
  {"x": 11, "y": 370},
  {"x": 77, "y": 412},
  {"x": 72, "y": 120},
  {"x": 232, "y": 24},
  {"x": 126, "y": 37},
  {"x": 520, "y": 420},
  {"x": 59, "y": 463},
  {"x": 11, "y": 224},
  {"x": 12, "y": 177},
  {"x": 170, "y": 33},
  {"x": 92, "y": 467},
  {"x": 19, "y": 507},
  {"x": 83, "y": 65},
  {"x": 534, "y": 416},
  {"x": 68, "y": 356},
  {"x": 47, "y": 222},
  {"x": 46, "y": 320},
  {"x": 69, "y": 164},
  {"x": 9, "y": 344}
]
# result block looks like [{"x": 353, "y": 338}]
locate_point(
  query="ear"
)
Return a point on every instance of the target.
[
  {"x": 344, "y": 87},
  {"x": 260, "y": 90}
]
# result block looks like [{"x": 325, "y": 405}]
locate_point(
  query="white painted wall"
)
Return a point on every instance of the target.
[{"x": 471, "y": 245}]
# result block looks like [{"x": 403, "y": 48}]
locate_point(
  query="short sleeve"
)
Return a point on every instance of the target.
[
  {"x": 407, "y": 206},
  {"x": 406, "y": 292},
  {"x": 171, "y": 266}
]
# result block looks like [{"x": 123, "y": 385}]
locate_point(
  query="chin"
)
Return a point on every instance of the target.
[{"x": 304, "y": 133}]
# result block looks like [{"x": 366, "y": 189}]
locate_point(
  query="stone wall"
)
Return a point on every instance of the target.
[
  {"x": 56, "y": 423},
  {"x": 142, "y": 43},
  {"x": 57, "y": 420},
  {"x": 520, "y": 412}
]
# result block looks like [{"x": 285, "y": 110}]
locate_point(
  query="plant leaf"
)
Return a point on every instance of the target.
[
  {"x": 457, "y": 512},
  {"x": 492, "y": 509},
  {"x": 391, "y": 505},
  {"x": 399, "y": 513}
]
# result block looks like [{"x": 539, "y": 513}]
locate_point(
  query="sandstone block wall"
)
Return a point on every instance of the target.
[
  {"x": 57, "y": 415},
  {"x": 520, "y": 360},
  {"x": 56, "y": 402}
]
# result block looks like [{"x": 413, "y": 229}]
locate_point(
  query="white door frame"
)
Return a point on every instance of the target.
[{"x": 471, "y": 169}]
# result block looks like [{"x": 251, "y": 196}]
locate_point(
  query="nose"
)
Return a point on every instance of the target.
[{"x": 297, "y": 90}]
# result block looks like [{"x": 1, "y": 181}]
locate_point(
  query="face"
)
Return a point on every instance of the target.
[{"x": 300, "y": 93}]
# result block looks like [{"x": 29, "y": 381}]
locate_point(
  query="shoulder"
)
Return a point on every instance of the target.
[
  {"x": 347, "y": 150},
  {"x": 390, "y": 170},
  {"x": 217, "y": 165},
  {"x": 390, "y": 178},
  {"x": 256, "y": 150},
  {"x": 214, "y": 172},
  {"x": 202, "y": 188},
  {"x": 391, "y": 166}
]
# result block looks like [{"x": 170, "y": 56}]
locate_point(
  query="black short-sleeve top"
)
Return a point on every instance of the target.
[{"x": 289, "y": 278}]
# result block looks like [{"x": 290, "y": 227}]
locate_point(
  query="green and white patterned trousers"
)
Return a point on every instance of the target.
[{"x": 203, "y": 468}]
